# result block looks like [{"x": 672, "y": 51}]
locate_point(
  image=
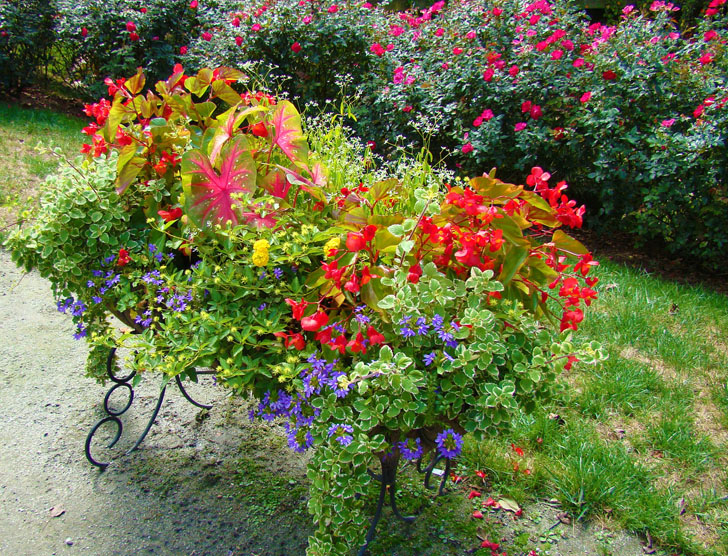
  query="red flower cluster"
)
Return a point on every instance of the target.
[{"x": 123, "y": 258}]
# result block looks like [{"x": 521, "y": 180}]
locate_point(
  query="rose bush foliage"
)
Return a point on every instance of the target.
[{"x": 378, "y": 313}]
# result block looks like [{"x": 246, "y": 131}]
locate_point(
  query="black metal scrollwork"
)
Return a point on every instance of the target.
[
  {"x": 387, "y": 480},
  {"x": 113, "y": 416}
]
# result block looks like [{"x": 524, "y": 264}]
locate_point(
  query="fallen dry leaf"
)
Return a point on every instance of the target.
[
  {"x": 509, "y": 505},
  {"x": 57, "y": 511}
]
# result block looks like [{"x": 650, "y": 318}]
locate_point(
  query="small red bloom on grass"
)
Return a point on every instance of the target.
[
  {"x": 490, "y": 503},
  {"x": 516, "y": 449},
  {"x": 333, "y": 9},
  {"x": 477, "y": 514},
  {"x": 491, "y": 545},
  {"x": 473, "y": 494}
]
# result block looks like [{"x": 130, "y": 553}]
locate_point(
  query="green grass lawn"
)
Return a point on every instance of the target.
[
  {"x": 638, "y": 442},
  {"x": 26, "y": 137},
  {"x": 642, "y": 442}
]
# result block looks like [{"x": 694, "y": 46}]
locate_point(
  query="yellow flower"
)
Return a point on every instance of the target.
[
  {"x": 261, "y": 245},
  {"x": 260, "y": 258},
  {"x": 332, "y": 244}
]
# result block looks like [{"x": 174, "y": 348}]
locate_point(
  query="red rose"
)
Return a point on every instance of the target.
[{"x": 296, "y": 47}]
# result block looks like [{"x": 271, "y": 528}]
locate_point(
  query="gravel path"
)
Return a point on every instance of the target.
[{"x": 154, "y": 501}]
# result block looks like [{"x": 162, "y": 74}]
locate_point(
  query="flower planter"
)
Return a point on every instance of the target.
[{"x": 378, "y": 319}]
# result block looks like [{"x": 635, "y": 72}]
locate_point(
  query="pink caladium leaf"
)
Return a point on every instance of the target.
[
  {"x": 276, "y": 184},
  {"x": 211, "y": 193},
  {"x": 230, "y": 121},
  {"x": 288, "y": 135},
  {"x": 263, "y": 218},
  {"x": 304, "y": 183}
]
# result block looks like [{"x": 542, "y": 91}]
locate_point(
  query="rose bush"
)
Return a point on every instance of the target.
[
  {"x": 379, "y": 313},
  {"x": 632, "y": 114}
]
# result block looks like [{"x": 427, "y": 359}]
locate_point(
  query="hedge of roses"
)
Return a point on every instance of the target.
[
  {"x": 632, "y": 115},
  {"x": 378, "y": 316}
]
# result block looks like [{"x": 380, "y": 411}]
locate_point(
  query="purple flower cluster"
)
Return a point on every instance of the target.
[
  {"x": 411, "y": 449},
  {"x": 178, "y": 302},
  {"x": 145, "y": 319},
  {"x": 421, "y": 327},
  {"x": 341, "y": 433},
  {"x": 449, "y": 443},
  {"x": 359, "y": 315},
  {"x": 153, "y": 278},
  {"x": 76, "y": 309},
  {"x": 296, "y": 408}
]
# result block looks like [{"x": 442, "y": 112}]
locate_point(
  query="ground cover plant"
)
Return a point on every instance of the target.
[{"x": 381, "y": 319}]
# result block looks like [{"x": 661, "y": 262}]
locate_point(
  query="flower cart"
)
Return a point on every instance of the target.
[{"x": 379, "y": 317}]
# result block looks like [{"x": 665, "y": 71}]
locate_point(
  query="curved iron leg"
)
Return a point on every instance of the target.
[
  {"x": 387, "y": 481},
  {"x": 188, "y": 397},
  {"x": 101, "y": 464},
  {"x": 375, "y": 520},
  {"x": 430, "y": 468},
  {"x": 153, "y": 418},
  {"x": 113, "y": 415}
]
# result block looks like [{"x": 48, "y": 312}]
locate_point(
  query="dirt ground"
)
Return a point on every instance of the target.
[{"x": 202, "y": 483}]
